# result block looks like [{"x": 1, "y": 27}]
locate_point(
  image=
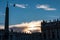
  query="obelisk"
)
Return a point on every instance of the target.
[{"x": 6, "y": 32}]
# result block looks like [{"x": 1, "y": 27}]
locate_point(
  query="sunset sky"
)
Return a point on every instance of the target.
[{"x": 30, "y": 10}]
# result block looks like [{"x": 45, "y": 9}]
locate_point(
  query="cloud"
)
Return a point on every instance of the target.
[
  {"x": 45, "y": 7},
  {"x": 28, "y": 27},
  {"x": 54, "y": 16},
  {"x": 2, "y": 14},
  {"x": 1, "y": 27},
  {"x": 21, "y": 5}
]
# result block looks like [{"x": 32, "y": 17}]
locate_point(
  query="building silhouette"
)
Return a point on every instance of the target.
[{"x": 50, "y": 30}]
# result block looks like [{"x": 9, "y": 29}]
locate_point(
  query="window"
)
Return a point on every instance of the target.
[
  {"x": 44, "y": 34},
  {"x": 53, "y": 35}
]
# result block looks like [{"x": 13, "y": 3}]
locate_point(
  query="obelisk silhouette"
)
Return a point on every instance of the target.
[{"x": 6, "y": 32}]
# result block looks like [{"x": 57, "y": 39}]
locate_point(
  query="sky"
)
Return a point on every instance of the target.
[{"x": 29, "y": 10}]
